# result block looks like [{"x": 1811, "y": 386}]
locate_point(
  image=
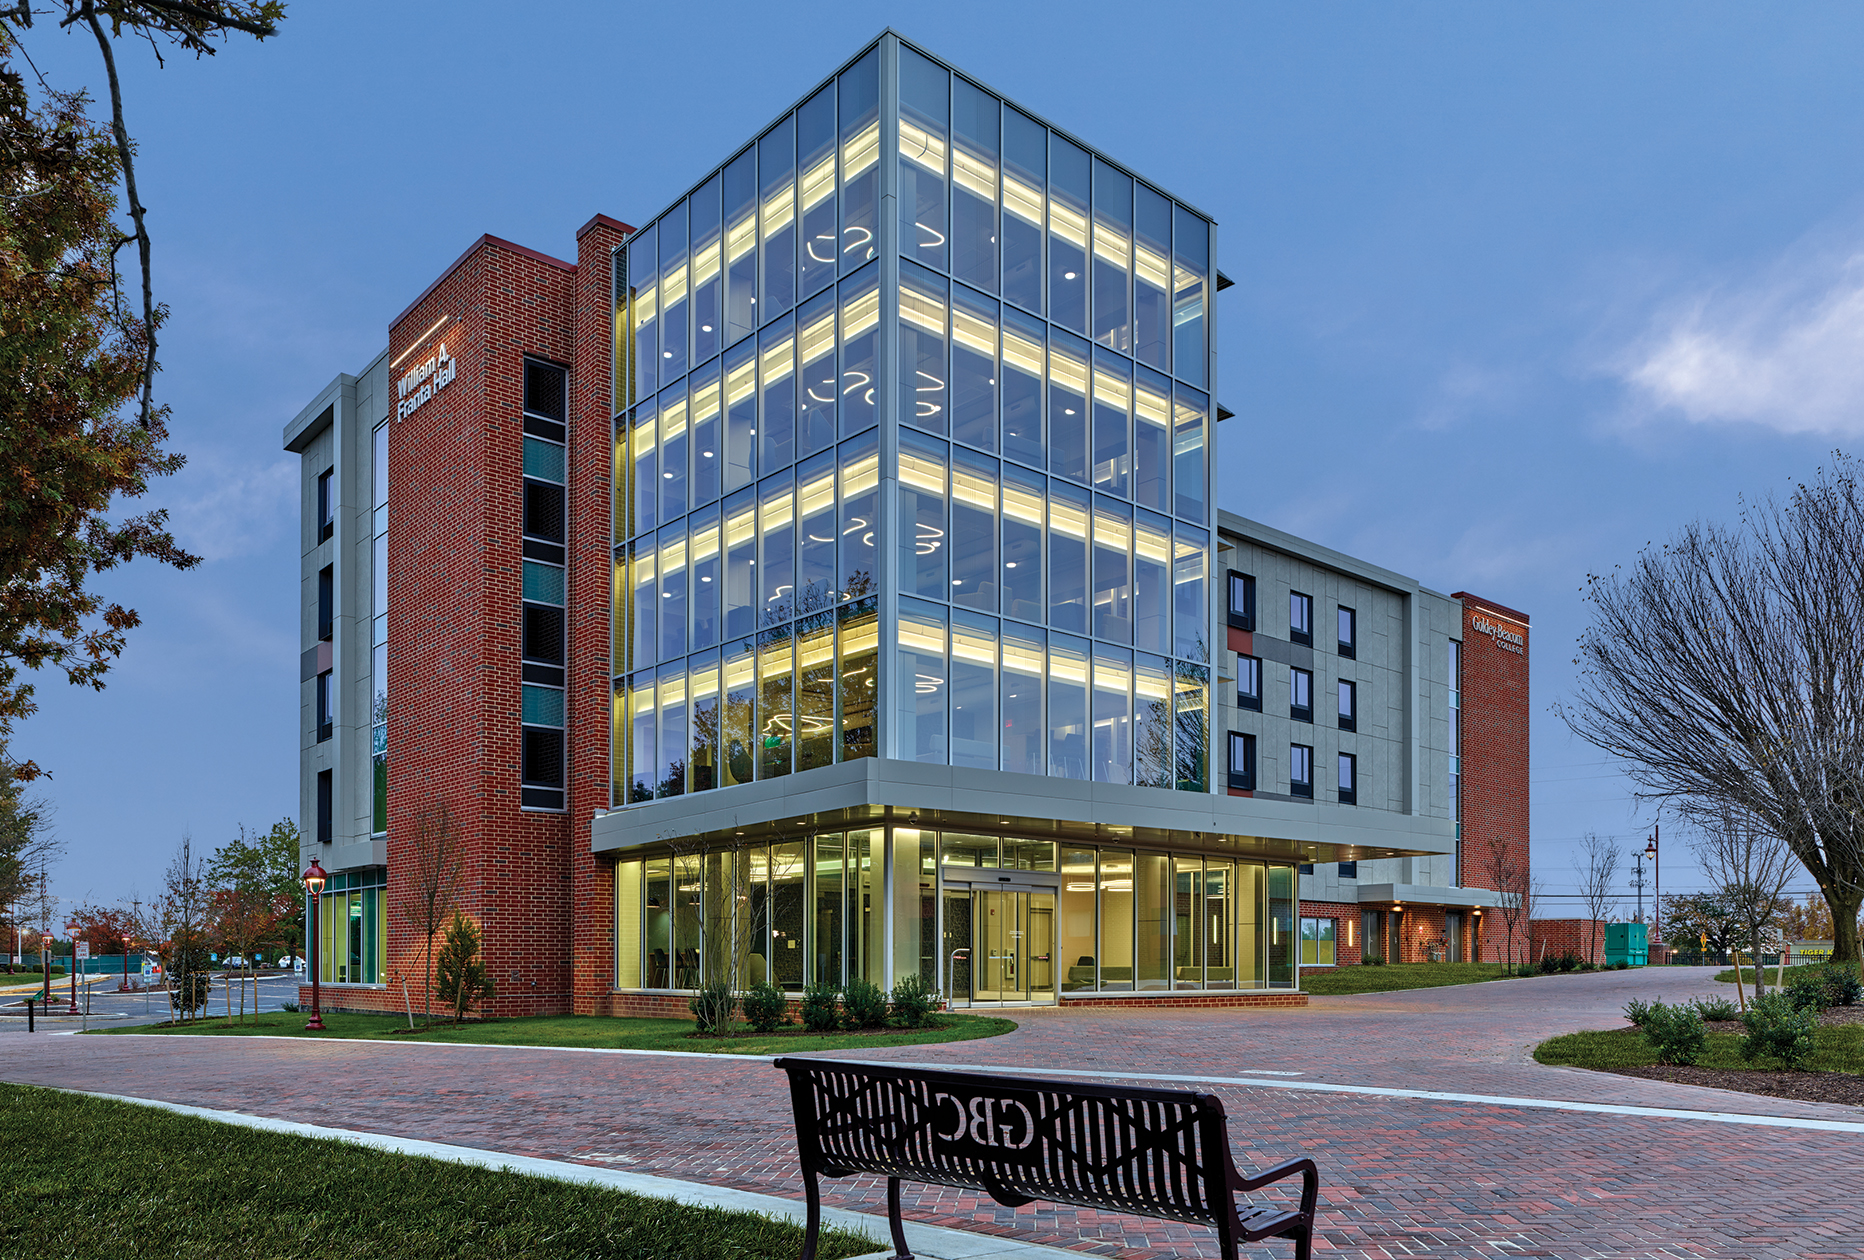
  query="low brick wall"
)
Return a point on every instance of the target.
[{"x": 1550, "y": 938}]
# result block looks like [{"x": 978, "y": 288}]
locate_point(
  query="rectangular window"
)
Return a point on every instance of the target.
[
  {"x": 974, "y": 532},
  {"x": 326, "y": 602},
  {"x": 1301, "y": 618},
  {"x": 924, "y": 331},
  {"x": 1069, "y": 177},
  {"x": 1025, "y": 182},
  {"x": 1068, "y": 708},
  {"x": 542, "y": 768},
  {"x": 325, "y": 806},
  {"x": 1349, "y": 705},
  {"x": 1191, "y": 609},
  {"x": 973, "y": 186},
  {"x": 1349, "y": 779},
  {"x": 326, "y": 706},
  {"x": 1024, "y": 731},
  {"x": 1249, "y": 682},
  {"x": 326, "y": 504},
  {"x": 546, "y": 399},
  {"x": 1301, "y": 695},
  {"x": 1317, "y": 942},
  {"x": 923, "y": 677},
  {"x": 1349, "y": 870},
  {"x": 1242, "y": 601},
  {"x": 707, "y": 295},
  {"x": 1152, "y": 722},
  {"x": 924, "y": 132},
  {"x": 1152, "y": 586},
  {"x": 855, "y": 680},
  {"x": 1023, "y": 495},
  {"x": 1301, "y": 770},
  {"x": 1242, "y": 761},
  {"x": 974, "y": 691},
  {"x": 1349, "y": 633}
]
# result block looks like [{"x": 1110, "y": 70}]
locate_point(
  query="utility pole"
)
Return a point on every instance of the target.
[{"x": 1637, "y": 881}]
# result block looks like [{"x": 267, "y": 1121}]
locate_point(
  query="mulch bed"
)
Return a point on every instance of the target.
[{"x": 1826, "y": 1087}]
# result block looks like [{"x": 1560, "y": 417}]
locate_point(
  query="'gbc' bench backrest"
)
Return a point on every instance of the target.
[{"x": 1162, "y": 1152}]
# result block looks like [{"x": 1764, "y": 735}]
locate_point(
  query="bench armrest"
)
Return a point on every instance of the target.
[{"x": 1310, "y": 1181}]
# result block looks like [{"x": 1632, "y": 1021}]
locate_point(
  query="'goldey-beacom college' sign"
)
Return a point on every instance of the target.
[
  {"x": 1504, "y": 638},
  {"x": 423, "y": 381}
]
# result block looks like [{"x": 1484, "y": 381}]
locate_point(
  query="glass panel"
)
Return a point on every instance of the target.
[
  {"x": 924, "y": 92},
  {"x": 1151, "y": 277},
  {"x": 741, "y": 416},
  {"x": 860, "y": 160},
  {"x": 646, "y": 470},
  {"x": 815, "y": 572},
  {"x": 973, "y": 369},
  {"x": 1191, "y": 688},
  {"x": 776, "y": 171},
  {"x": 775, "y": 720},
  {"x": 702, "y": 770},
  {"x": 1190, "y": 271},
  {"x": 922, "y": 682},
  {"x": 922, "y": 348},
  {"x": 1191, "y": 612},
  {"x": 1023, "y": 359},
  {"x": 723, "y": 880},
  {"x": 957, "y": 848},
  {"x": 1113, "y": 390},
  {"x": 1113, "y": 541},
  {"x": 673, "y": 296},
  {"x": 644, "y": 761},
  {"x": 628, "y": 925},
  {"x": 1187, "y": 925},
  {"x": 924, "y": 548},
  {"x": 915, "y": 881},
  {"x": 644, "y": 276},
  {"x": 379, "y": 465},
  {"x": 1068, "y": 516},
  {"x": 741, "y": 246},
  {"x": 673, "y": 455},
  {"x": 621, "y": 513},
  {"x": 776, "y": 421},
  {"x": 750, "y": 941},
  {"x": 1076, "y": 955},
  {"x": 673, "y": 592},
  {"x": 641, "y": 558},
  {"x": 789, "y": 873},
  {"x": 867, "y": 940},
  {"x": 815, "y": 138},
  {"x": 688, "y": 937},
  {"x": 856, "y": 678},
  {"x": 1152, "y": 441},
  {"x": 541, "y": 706},
  {"x": 708, "y": 293},
  {"x": 776, "y": 553},
  {"x": 738, "y": 740},
  {"x": 543, "y": 460},
  {"x": 860, "y": 351},
  {"x": 1025, "y": 177},
  {"x": 705, "y": 434},
  {"x": 973, "y": 691},
  {"x": 1152, "y": 915},
  {"x": 1025, "y": 737},
  {"x": 1067, "y": 707},
  {"x": 825, "y": 952},
  {"x": 741, "y": 598},
  {"x": 707, "y": 578},
  {"x": 1152, "y": 589},
  {"x": 974, "y": 185},
  {"x": 1281, "y": 927},
  {"x": 815, "y": 418},
  {"x": 1028, "y": 855},
  {"x": 1068, "y": 384},
  {"x": 1023, "y": 493},
  {"x": 658, "y": 954},
  {"x": 1187, "y": 459},
  {"x": 670, "y": 768},
  {"x": 1068, "y": 185},
  {"x": 955, "y": 949},
  {"x": 815, "y": 692},
  {"x": 1116, "y": 921},
  {"x": 1152, "y": 725},
  {"x": 621, "y": 362},
  {"x": 1113, "y": 232},
  {"x": 1113, "y": 728},
  {"x": 1250, "y": 895},
  {"x": 860, "y": 507},
  {"x": 973, "y": 530}
]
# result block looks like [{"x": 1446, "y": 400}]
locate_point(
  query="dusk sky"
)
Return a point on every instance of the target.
[{"x": 1519, "y": 289}]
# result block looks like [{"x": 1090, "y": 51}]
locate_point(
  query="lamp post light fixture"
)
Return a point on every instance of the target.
[{"x": 314, "y": 877}]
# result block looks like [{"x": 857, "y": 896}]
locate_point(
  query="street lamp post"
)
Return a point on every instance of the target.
[
  {"x": 72, "y": 928},
  {"x": 1656, "y": 873},
  {"x": 45, "y": 961},
  {"x": 314, "y": 877}
]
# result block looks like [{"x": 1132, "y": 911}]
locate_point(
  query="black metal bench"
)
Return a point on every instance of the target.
[{"x": 1149, "y": 1152}]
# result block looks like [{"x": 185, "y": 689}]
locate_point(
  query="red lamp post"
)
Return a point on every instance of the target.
[
  {"x": 1651, "y": 850},
  {"x": 45, "y": 959},
  {"x": 314, "y": 878},
  {"x": 72, "y": 928}
]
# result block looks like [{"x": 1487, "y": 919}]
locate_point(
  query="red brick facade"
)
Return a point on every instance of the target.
[
  {"x": 1549, "y": 938},
  {"x": 1494, "y": 748}
]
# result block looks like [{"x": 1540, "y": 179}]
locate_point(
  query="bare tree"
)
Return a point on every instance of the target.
[
  {"x": 1752, "y": 866},
  {"x": 173, "y": 926},
  {"x": 1516, "y": 893},
  {"x": 430, "y": 893},
  {"x": 1598, "y": 873},
  {"x": 1726, "y": 669}
]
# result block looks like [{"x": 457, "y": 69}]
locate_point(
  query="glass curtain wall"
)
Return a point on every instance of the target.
[{"x": 352, "y": 926}]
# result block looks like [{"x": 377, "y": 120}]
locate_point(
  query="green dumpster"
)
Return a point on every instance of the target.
[{"x": 1626, "y": 943}]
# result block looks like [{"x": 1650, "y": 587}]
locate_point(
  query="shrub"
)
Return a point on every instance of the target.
[
  {"x": 1372, "y": 960},
  {"x": 1621, "y": 965},
  {"x": 461, "y": 978},
  {"x": 1547, "y": 965},
  {"x": 1674, "y": 1032},
  {"x": 1716, "y": 1008},
  {"x": 288, "y": 1006},
  {"x": 1636, "y": 1011},
  {"x": 1807, "y": 992},
  {"x": 1778, "y": 1029},
  {"x": 1826, "y": 985},
  {"x": 865, "y": 1003},
  {"x": 913, "y": 1002},
  {"x": 712, "y": 1006},
  {"x": 820, "y": 1011},
  {"x": 766, "y": 1006}
]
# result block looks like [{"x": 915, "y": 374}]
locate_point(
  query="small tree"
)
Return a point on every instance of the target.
[
  {"x": 173, "y": 925},
  {"x": 1515, "y": 890},
  {"x": 1598, "y": 872},
  {"x": 1752, "y": 864},
  {"x": 460, "y": 977},
  {"x": 434, "y": 864}
]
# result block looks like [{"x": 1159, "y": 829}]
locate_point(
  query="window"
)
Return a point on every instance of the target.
[
  {"x": 326, "y": 504},
  {"x": 542, "y": 771},
  {"x": 1301, "y": 695},
  {"x": 546, "y": 400},
  {"x": 1301, "y": 618},
  {"x": 324, "y": 806},
  {"x": 1242, "y": 601},
  {"x": 1301, "y": 770},
  {"x": 1349, "y": 779},
  {"x": 1349, "y": 870},
  {"x": 1307, "y": 868},
  {"x": 1249, "y": 682},
  {"x": 326, "y": 602},
  {"x": 1349, "y": 633},
  {"x": 326, "y": 706},
  {"x": 1242, "y": 761},
  {"x": 1349, "y": 705},
  {"x": 1318, "y": 942}
]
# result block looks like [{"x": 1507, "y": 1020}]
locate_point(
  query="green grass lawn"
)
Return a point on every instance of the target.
[
  {"x": 1839, "y": 1049},
  {"x": 1395, "y": 976},
  {"x": 583, "y": 1030},
  {"x": 1747, "y": 973},
  {"x": 91, "y": 1177}
]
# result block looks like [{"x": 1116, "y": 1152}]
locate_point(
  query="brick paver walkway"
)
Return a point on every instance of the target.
[{"x": 1400, "y": 1176}]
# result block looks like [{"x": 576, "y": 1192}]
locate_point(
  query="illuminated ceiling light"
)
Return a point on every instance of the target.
[
  {"x": 1067, "y": 275},
  {"x": 705, "y": 328}
]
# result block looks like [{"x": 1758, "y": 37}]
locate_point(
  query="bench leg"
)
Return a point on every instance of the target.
[
  {"x": 894, "y": 1222},
  {"x": 813, "y": 1225}
]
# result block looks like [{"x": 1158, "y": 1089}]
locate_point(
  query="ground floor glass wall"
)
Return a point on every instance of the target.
[
  {"x": 352, "y": 927},
  {"x": 978, "y": 916}
]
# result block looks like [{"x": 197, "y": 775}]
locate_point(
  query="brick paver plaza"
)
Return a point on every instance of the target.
[{"x": 1400, "y": 1176}]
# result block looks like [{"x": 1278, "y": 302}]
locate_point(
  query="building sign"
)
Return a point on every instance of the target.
[
  {"x": 1504, "y": 638},
  {"x": 423, "y": 381}
]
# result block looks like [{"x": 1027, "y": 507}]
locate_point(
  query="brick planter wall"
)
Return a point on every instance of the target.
[{"x": 1552, "y": 937}]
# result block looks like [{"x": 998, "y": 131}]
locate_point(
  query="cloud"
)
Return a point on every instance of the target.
[
  {"x": 1785, "y": 351},
  {"x": 224, "y": 509}
]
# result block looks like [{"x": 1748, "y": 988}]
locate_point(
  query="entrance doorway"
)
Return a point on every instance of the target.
[
  {"x": 999, "y": 945},
  {"x": 1453, "y": 929}
]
